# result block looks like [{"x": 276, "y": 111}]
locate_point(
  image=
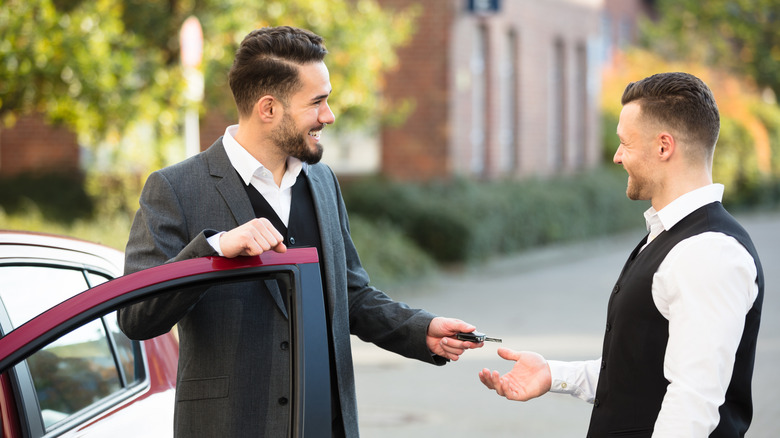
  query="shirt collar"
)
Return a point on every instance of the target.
[
  {"x": 683, "y": 206},
  {"x": 246, "y": 165}
]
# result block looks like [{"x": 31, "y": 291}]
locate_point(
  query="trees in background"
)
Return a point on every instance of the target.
[
  {"x": 105, "y": 67},
  {"x": 734, "y": 46},
  {"x": 747, "y": 156},
  {"x": 110, "y": 71},
  {"x": 741, "y": 35}
]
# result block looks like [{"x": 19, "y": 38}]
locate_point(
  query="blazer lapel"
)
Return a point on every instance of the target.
[
  {"x": 228, "y": 183},
  {"x": 327, "y": 218},
  {"x": 230, "y": 187}
]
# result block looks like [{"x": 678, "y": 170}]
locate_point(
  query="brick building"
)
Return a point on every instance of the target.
[
  {"x": 509, "y": 91},
  {"x": 34, "y": 146},
  {"x": 620, "y": 24}
]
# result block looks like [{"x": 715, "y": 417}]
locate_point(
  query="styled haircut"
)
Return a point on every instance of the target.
[
  {"x": 267, "y": 61},
  {"x": 680, "y": 101}
]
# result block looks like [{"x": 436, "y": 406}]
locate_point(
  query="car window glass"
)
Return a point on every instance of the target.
[
  {"x": 27, "y": 291},
  {"x": 96, "y": 279},
  {"x": 73, "y": 372},
  {"x": 126, "y": 351}
]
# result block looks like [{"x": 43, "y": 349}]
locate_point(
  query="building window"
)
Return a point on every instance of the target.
[
  {"x": 608, "y": 42},
  {"x": 558, "y": 123},
  {"x": 479, "y": 101},
  {"x": 509, "y": 126},
  {"x": 580, "y": 151}
]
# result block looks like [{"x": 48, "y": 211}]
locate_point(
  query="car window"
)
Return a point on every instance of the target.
[
  {"x": 30, "y": 290},
  {"x": 95, "y": 278},
  {"x": 84, "y": 367},
  {"x": 81, "y": 368},
  {"x": 128, "y": 352},
  {"x": 73, "y": 372}
]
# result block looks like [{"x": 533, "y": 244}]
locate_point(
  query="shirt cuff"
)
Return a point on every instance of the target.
[
  {"x": 214, "y": 242},
  {"x": 573, "y": 378}
]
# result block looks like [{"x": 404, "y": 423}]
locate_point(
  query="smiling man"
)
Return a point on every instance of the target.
[
  {"x": 683, "y": 316},
  {"x": 260, "y": 188}
]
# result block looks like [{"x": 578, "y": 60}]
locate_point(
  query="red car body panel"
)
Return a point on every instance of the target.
[{"x": 9, "y": 416}]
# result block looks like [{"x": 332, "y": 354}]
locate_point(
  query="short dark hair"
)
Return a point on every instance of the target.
[
  {"x": 267, "y": 61},
  {"x": 682, "y": 102}
]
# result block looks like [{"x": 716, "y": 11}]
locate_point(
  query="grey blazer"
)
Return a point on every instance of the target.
[{"x": 234, "y": 359}]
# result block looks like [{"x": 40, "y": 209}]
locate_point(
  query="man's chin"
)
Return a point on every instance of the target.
[{"x": 312, "y": 157}]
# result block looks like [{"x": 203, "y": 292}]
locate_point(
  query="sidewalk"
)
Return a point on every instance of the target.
[{"x": 552, "y": 301}]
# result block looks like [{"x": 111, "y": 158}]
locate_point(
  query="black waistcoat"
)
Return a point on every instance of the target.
[
  {"x": 303, "y": 230},
  {"x": 631, "y": 383}
]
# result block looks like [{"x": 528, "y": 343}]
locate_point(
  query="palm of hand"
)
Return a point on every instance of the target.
[
  {"x": 529, "y": 378},
  {"x": 525, "y": 380}
]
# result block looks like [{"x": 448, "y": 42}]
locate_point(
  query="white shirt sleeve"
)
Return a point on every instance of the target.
[
  {"x": 214, "y": 242},
  {"x": 578, "y": 379},
  {"x": 705, "y": 286}
]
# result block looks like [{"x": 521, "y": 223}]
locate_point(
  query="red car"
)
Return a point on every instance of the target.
[{"x": 65, "y": 367}]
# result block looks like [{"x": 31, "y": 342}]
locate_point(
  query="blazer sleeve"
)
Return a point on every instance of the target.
[{"x": 159, "y": 235}]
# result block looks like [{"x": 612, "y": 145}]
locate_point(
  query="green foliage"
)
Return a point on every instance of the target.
[
  {"x": 109, "y": 230},
  {"x": 360, "y": 36},
  {"x": 747, "y": 155},
  {"x": 108, "y": 68},
  {"x": 769, "y": 116},
  {"x": 387, "y": 254},
  {"x": 741, "y": 34},
  {"x": 467, "y": 221},
  {"x": 735, "y": 158},
  {"x": 56, "y": 196},
  {"x": 609, "y": 122},
  {"x": 78, "y": 63},
  {"x": 402, "y": 230}
]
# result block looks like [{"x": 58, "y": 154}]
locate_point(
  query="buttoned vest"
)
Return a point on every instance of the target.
[{"x": 631, "y": 384}]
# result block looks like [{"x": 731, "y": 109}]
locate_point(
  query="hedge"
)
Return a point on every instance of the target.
[{"x": 466, "y": 221}]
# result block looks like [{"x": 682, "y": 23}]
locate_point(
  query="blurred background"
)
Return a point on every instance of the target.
[{"x": 449, "y": 112}]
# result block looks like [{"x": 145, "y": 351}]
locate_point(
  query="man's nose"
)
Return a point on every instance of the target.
[
  {"x": 618, "y": 158},
  {"x": 327, "y": 116}
]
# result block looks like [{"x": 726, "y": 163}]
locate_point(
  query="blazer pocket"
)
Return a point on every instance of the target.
[{"x": 201, "y": 389}]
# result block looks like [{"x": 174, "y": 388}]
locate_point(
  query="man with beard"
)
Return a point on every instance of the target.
[
  {"x": 261, "y": 188},
  {"x": 683, "y": 317}
]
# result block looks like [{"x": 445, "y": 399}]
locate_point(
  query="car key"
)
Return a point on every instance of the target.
[{"x": 476, "y": 337}]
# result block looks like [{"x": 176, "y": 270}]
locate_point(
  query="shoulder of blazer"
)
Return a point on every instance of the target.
[
  {"x": 213, "y": 160},
  {"x": 216, "y": 159},
  {"x": 192, "y": 174},
  {"x": 322, "y": 173}
]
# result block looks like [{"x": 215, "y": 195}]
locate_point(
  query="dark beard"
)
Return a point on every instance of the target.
[{"x": 293, "y": 143}]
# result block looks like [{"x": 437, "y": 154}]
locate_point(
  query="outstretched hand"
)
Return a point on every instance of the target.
[
  {"x": 441, "y": 343},
  {"x": 529, "y": 378}
]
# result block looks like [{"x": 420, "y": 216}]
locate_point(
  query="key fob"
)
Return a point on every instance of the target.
[{"x": 475, "y": 337}]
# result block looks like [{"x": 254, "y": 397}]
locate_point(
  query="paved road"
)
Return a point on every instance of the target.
[{"x": 552, "y": 301}]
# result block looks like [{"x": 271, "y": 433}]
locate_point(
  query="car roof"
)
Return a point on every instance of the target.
[{"x": 25, "y": 246}]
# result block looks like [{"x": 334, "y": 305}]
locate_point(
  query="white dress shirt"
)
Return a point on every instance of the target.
[
  {"x": 704, "y": 287},
  {"x": 251, "y": 171}
]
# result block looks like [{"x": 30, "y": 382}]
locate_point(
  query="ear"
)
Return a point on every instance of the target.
[
  {"x": 266, "y": 108},
  {"x": 666, "y": 145}
]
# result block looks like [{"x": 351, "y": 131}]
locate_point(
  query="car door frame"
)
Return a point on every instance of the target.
[{"x": 299, "y": 266}]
